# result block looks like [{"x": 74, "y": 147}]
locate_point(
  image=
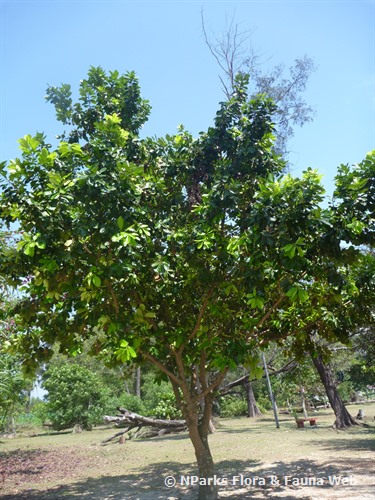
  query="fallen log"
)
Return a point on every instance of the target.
[
  {"x": 128, "y": 417},
  {"x": 131, "y": 420}
]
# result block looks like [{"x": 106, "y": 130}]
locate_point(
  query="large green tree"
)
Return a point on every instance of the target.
[{"x": 189, "y": 254}]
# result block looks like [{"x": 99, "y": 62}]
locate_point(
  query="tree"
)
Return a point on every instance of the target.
[
  {"x": 299, "y": 387},
  {"x": 353, "y": 310},
  {"x": 188, "y": 254},
  {"x": 343, "y": 417},
  {"x": 14, "y": 390},
  {"x": 234, "y": 57},
  {"x": 362, "y": 371},
  {"x": 112, "y": 378},
  {"x": 76, "y": 396}
]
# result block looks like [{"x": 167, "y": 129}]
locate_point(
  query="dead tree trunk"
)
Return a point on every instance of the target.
[
  {"x": 130, "y": 420},
  {"x": 127, "y": 417},
  {"x": 343, "y": 417}
]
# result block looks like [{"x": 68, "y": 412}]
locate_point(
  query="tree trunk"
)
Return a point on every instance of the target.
[
  {"x": 343, "y": 417},
  {"x": 199, "y": 428},
  {"x": 198, "y": 433},
  {"x": 189, "y": 390},
  {"x": 138, "y": 382},
  {"x": 252, "y": 408},
  {"x": 303, "y": 403}
]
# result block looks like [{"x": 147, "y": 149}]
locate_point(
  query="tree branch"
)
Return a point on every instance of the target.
[
  {"x": 213, "y": 386},
  {"x": 289, "y": 366},
  {"x": 270, "y": 311},
  {"x": 198, "y": 322},
  {"x": 161, "y": 367},
  {"x": 113, "y": 295}
]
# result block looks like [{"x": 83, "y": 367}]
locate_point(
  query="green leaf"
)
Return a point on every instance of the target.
[
  {"x": 125, "y": 352},
  {"x": 302, "y": 295},
  {"x": 28, "y": 144},
  {"x": 256, "y": 302},
  {"x": 292, "y": 293},
  {"x": 290, "y": 250},
  {"x": 96, "y": 280},
  {"x": 15, "y": 168},
  {"x": 29, "y": 249},
  {"x": 297, "y": 294},
  {"x": 120, "y": 223}
]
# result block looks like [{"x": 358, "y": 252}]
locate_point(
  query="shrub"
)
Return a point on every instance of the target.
[
  {"x": 76, "y": 396},
  {"x": 128, "y": 401},
  {"x": 167, "y": 408},
  {"x": 346, "y": 391},
  {"x": 232, "y": 406},
  {"x": 40, "y": 410},
  {"x": 14, "y": 390},
  {"x": 263, "y": 402},
  {"x": 159, "y": 399}
]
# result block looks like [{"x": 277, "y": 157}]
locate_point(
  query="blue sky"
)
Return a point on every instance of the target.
[{"x": 53, "y": 42}]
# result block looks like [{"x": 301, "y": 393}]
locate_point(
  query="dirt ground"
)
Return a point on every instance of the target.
[{"x": 253, "y": 460}]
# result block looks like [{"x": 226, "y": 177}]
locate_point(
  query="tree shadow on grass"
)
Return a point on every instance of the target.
[
  {"x": 165, "y": 437},
  {"x": 239, "y": 476},
  {"x": 261, "y": 429},
  {"x": 364, "y": 442}
]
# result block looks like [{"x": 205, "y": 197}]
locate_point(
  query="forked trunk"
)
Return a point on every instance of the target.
[
  {"x": 198, "y": 417},
  {"x": 343, "y": 417}
]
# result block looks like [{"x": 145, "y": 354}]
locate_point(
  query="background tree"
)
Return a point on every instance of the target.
[
  {"x": 188, "y": 254},
  {"x": 14, "y": 390},
  {"x": 76, "y": 396},
  {"x": 352, "y": 310},
  {"x": 300, "y": 387},
  {"x": 233, "y": 52},
  {"x": 361, "y": 373}
]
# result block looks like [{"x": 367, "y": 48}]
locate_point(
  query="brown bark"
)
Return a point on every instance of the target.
[
  {"x": 196, "y": 407},
  {"x": 343, "y": 417},
  {"x": 138, "y": 382},
  {"x": 198, "y": 433},
  {"x": 195, "y": 391},
  {"x": 252, "y": 408}
]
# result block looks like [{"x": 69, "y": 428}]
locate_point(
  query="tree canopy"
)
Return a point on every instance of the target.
[{"x": 189, "y": 253}]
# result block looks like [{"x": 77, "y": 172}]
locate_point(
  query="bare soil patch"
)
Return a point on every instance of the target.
[{"x": 254, "y": 460}]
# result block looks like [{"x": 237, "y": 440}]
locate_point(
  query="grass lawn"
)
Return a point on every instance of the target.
[{"x": 254, "y": 460}]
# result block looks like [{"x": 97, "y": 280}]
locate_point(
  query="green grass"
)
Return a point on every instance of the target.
[{"x": 66, "y": 465}]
